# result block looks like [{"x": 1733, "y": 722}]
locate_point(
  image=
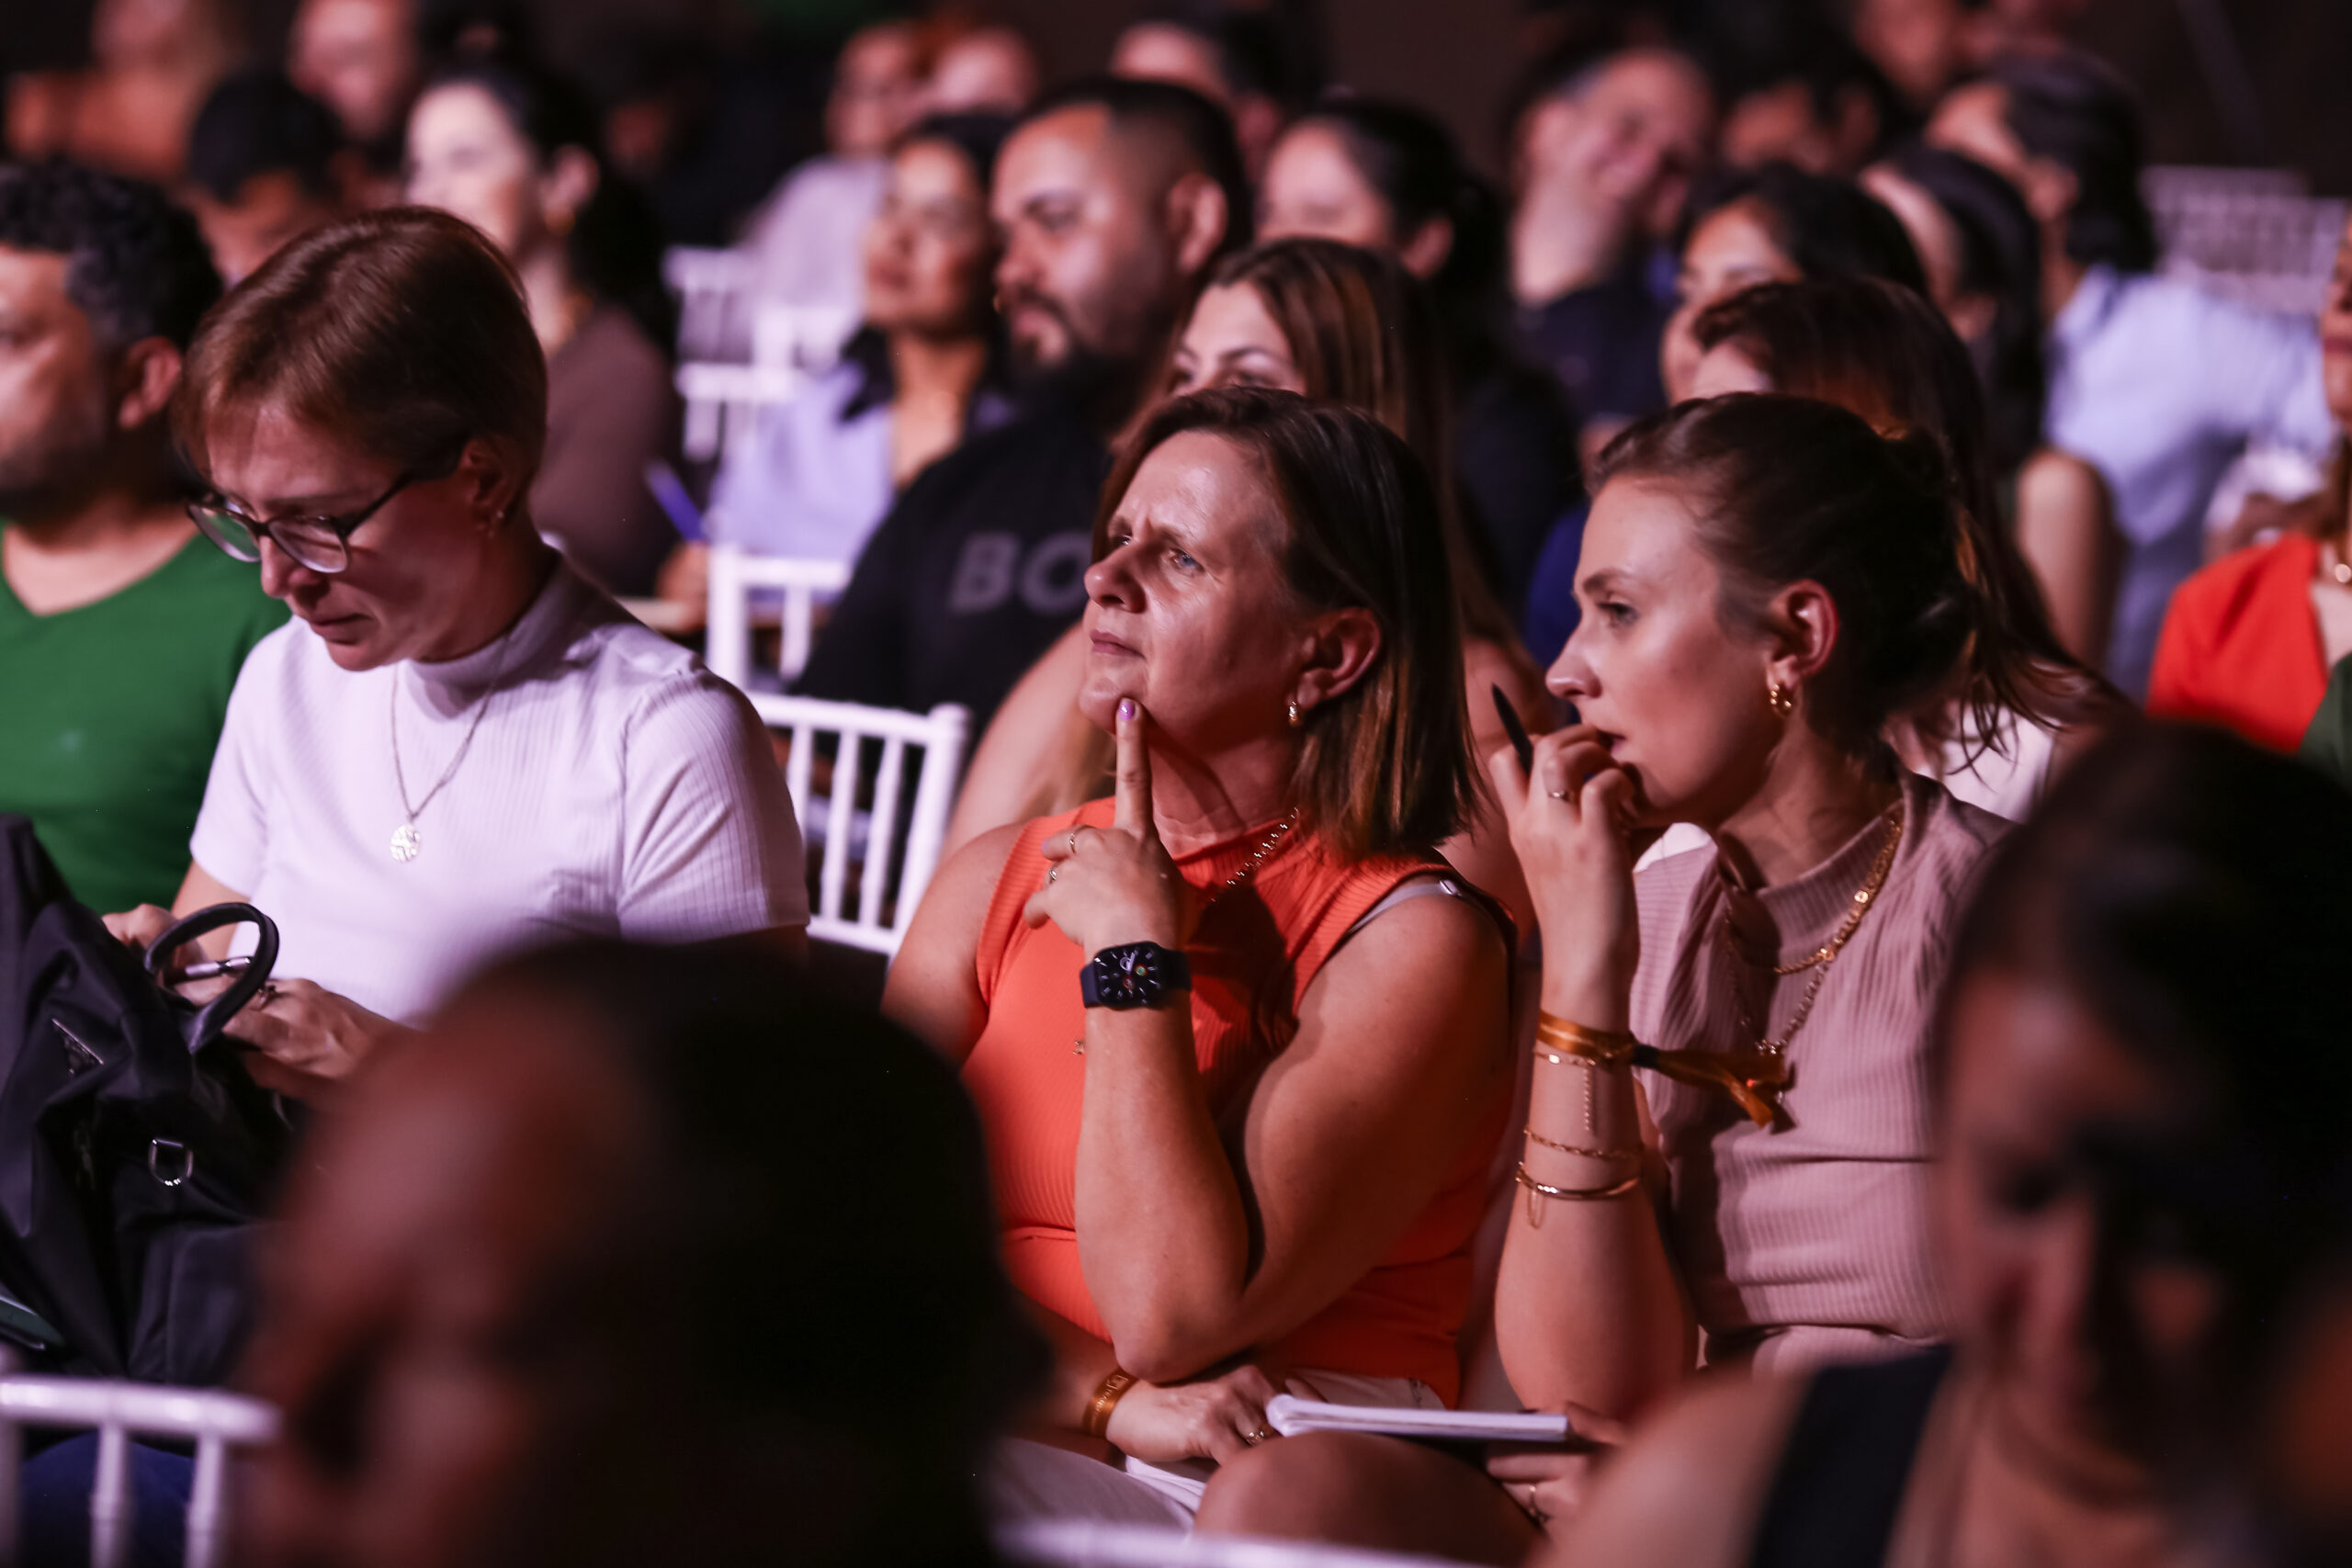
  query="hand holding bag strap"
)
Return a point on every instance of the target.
[{"x": 215, "y": 1015}]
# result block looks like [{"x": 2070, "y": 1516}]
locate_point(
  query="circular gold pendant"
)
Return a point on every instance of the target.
[{"x": 405, "y": 843}]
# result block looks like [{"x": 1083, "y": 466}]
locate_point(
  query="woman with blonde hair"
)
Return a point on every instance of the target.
[{"x": 1337, "y": 324}]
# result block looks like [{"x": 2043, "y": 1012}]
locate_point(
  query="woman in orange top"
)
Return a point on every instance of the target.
[
  {"x": 1282, "y": 1169},
  {"x": 2249, "y": 641}
]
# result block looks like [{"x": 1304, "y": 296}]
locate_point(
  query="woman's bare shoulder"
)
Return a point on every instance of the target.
[
  {"x": 2054, "y": 479},
  {"x": 1687, "y": 1491}
]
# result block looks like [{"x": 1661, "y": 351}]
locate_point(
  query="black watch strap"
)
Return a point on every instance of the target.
[{"x": 1139, "y": 975}]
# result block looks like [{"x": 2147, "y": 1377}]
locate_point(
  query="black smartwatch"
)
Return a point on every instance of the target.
[{"x": 1140, "y": 975}]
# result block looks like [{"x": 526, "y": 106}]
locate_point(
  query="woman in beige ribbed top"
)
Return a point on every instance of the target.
[{"x": 1765, "y": 582}]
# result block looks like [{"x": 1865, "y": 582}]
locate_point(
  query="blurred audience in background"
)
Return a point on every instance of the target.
[
  {"x": 266, "y": 164},
  {"x": 808, "y": 238},
  {"x": 121, "y": 632},
  {"x": 923, "y": 373},
  {"x": 2067, "y": 131},
  {"x": 1982, "y": 252},
  {"x": 1603, "y": 152},
  {"x": 1113, "y": 199},
  {"x": 152, "y": 64},
  {"x": 2249, "y": 642},
  {"x": 1922, "y": 47},
  {"x": 363, "y": 60},
  {"x": 1797, "y": 89},
  {"x": 579, "y": 1212},
  {"x": 1259, "y": 63},
  {"x": 983, "y": 69},
  {"x": 1739, "y": 228},
  {"x": 1386, "y": 176},
  {"x": 514, "y": 152}
]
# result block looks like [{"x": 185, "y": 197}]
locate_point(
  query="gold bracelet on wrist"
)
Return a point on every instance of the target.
[
  {"x": 1576, "y": 1194},
  {"x": 1557, "y": 1038},
  {"x": 1535, "y": 1137},
  {"x": 1107, "y": 1395}
]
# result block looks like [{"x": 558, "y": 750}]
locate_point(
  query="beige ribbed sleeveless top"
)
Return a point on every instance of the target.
[{"x": 1808, "y": 1241}]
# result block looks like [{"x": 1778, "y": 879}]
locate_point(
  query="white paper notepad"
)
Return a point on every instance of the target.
[{"x": 1291, "y": 1416}]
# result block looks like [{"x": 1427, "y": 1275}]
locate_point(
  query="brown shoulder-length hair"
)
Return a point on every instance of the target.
[
  {"x": 402, "y": 330},
  {"x": 1363, "y": 332},
  {"x": 1384, "y": 768}
]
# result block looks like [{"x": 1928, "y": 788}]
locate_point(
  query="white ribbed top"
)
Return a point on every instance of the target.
[
  {"x": 1809, "y": 1241},
  {"x": 615, "y": 787}
]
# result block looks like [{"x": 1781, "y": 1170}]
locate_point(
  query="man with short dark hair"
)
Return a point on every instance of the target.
[
  {"x": 121, "y": 632},
  {"x": 1112, "y": 197},
  {"x": 261, "y": 168}
]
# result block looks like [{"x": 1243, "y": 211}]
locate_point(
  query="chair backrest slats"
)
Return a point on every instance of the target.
[
  {"x": 213, "y": 1420},
  {"x": 878, "y": 845},
  {"x": 841, "y": 810},
  {"x": 847, "y": 822},
  {"x": 111, "y": 1501},
  {"x": 736, "y": 575}
]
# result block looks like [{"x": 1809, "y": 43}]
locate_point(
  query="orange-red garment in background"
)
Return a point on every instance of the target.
[{"x": 2240, "y": 646}]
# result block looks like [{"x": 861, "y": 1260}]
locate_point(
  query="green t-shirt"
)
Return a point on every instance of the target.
[{"x": 109, "y": 712}]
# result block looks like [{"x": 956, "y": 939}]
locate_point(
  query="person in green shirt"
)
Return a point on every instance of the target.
[{"x": 121, "y": 631}]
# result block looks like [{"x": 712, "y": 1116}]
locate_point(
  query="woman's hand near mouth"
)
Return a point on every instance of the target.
[{"x": 1571, "y": 823}]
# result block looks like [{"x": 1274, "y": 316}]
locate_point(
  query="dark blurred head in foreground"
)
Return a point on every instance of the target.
[
  {"x": 2145, "y": 1185},
  {"x": 640, "y": 1255}
]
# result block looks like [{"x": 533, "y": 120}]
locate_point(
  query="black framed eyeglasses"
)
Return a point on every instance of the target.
[{"x": 322, "y": 542}]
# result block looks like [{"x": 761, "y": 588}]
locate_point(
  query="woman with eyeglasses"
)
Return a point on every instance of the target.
[{"x": 464, "y": 745}]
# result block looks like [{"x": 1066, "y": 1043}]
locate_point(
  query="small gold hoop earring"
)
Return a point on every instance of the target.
[
  {"x": 1296, "y": 717},
  {"x": 1781, "y": 700}
]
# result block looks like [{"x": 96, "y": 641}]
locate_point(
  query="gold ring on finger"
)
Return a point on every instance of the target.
[
  {"x": 1073, "y": 840},
  {"x": 1053, "y": 872}
]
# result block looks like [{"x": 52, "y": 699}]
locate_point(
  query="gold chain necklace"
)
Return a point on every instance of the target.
[
  {"x": 1822, "y": 957},
  {"x": 1248, "y": 868}
]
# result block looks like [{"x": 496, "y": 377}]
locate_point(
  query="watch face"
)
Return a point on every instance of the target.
[{"x": 1130, "y": 976}]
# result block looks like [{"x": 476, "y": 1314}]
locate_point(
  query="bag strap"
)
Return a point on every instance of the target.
[{"x": 215, "y": 1015}]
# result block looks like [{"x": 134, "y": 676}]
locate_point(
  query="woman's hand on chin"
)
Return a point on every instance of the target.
[
  {"x": 1571, "y": 825},
  {"x": 1109, "y": 887},
  {"x": 306, "y": 1040}
]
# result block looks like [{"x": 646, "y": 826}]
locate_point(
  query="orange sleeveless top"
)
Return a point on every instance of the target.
[{"x": 1252, "y": 958}]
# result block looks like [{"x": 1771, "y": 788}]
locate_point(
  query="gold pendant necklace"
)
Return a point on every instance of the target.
[{"x": 1820, "y": 959}]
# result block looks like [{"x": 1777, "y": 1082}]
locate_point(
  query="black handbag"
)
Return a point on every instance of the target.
[{"x": 135, "y": 1161}]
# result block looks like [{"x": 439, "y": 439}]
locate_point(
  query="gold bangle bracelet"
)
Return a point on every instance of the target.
[
  {"x": 1107, "y": 1395},
  {"x": 1535, "y": 1137},
  {"x": 1606, "y": 1047},
  {"x": 1578, "y": 1059},
  {"x": 1577, "y": 1194}
]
